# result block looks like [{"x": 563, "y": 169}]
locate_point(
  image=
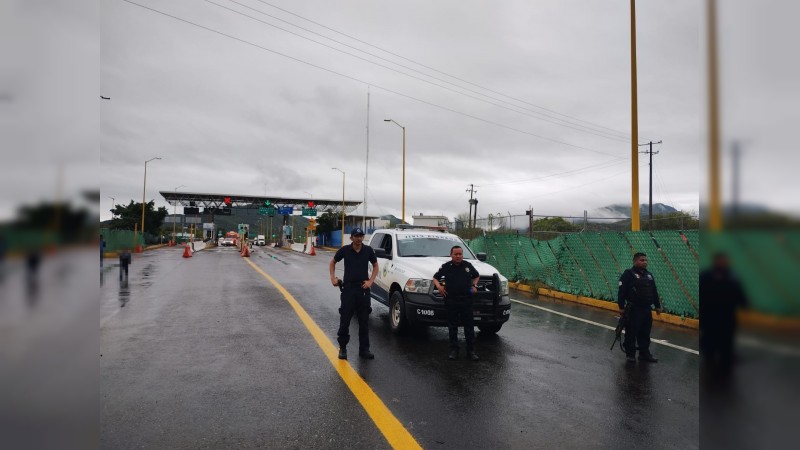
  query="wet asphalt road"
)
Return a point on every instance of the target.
[{"x": 205, "y": 352}]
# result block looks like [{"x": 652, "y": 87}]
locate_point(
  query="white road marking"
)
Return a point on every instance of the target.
[{"x": 608, "y": 327}]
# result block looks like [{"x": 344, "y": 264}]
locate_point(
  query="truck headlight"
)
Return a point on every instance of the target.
[
  {"x": 503, "y": 287},
  {"x": 418, "y": 285}
]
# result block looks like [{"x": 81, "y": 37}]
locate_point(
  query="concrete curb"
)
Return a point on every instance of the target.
[{"x": 605, "y": 304}]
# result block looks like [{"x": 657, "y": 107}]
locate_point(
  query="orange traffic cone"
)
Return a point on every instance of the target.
[
  {"x": 245, "y": 251},
  {"x": 187, "y": 253},
  {"x": 313, "y": 253}
]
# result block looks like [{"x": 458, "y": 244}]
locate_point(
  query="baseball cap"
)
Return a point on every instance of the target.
[{"x": 357, "y": 232}]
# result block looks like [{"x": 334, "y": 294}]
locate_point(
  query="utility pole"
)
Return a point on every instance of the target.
[
  {"x": 366, "y": 170},
  {"x": 472, "y": 191},
  {"x": 736, "y": 152},
  {"x": 529, "y": 213},
  {"x": 650, "y": 208}
]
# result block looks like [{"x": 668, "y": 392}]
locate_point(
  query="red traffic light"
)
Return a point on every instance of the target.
[
  {"x": 310, "y": 204},
  {"x": 227, "y": 200}
]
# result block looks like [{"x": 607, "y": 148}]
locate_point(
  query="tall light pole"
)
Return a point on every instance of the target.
[
  {"x": 404, "y": 166},
  {"x": 113, "y": 205},
  {"x": 634, "y": 127},
  {"x": 174, "y": 210},
  {"x": 144, "y": 190},
  {"x": 343, "y": 176}
]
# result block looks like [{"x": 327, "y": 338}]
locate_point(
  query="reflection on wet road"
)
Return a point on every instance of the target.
[{"x": 205, "y": 351}]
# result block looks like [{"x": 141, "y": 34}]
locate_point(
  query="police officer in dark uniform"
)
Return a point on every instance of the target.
[
  {"x": 638, "y": 288},
  {"x": 355, "y": 294},
  {"x": 459, "y": 281}
]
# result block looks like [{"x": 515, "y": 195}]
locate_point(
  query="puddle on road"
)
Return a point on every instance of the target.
[
  {"x": 148, "y": 270},
  {"x": 124, "y": 293}
]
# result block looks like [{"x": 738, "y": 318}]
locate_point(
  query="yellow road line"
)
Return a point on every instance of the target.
[{"x": 387, "y": 423}]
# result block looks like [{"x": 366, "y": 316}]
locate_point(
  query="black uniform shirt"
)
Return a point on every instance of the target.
[
  {"x": 458, "y": 278},
  {"x": 355, "y": 263},
  {"x": 638, "y": 287}
]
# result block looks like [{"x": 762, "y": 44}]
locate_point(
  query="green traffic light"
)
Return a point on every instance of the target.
[{"x": 266, "y": 202}]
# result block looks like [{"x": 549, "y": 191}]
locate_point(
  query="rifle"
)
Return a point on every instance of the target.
[{"x": 623, "y": 320}]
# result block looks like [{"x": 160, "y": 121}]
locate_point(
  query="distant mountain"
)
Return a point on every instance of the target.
[
  {"x": 393, "y": 220},
  {"x": 624, "y": 211}
]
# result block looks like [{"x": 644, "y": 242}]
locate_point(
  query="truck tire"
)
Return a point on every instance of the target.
[
  {"x": 397, "y": 313},
  {"x": 490, "y": 328}
]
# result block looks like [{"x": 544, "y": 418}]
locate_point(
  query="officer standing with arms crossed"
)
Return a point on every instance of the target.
[
  {"x": 355, "y": 294},
  {"x": 460, "y": 284},
  {"x": 638, "y": 288}
]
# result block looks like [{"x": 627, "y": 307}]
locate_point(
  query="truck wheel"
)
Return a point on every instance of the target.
[
  {"x": 491, "y": 329},
  {"x": 397, "y": 314}
]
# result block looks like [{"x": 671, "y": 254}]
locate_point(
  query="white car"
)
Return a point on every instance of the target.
[{"x": 408, "y": 258}]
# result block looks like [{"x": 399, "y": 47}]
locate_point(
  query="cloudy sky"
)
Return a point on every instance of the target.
[{"x": 527, "y": 100}]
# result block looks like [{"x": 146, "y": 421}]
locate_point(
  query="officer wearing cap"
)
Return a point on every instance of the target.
[
  {"x": 638, "y": 288},
  {"x": 457, "y": 281},
  {"x": 355, "y": 291}
]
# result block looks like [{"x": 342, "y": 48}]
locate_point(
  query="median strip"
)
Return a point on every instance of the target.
[{"x": 391, "y": 428}]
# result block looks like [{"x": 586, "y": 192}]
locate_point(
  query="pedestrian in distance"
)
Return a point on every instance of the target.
[
  {"x": 637, "y": 289},
  {"x": 102, "y": 250},
  {"x": 457, "y": 281},
  {"x": 355, "y": 297},
  {"x": 124, "y": 262}
]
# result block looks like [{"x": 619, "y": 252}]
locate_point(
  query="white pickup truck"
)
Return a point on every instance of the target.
[{"x": 408, "y": 258}]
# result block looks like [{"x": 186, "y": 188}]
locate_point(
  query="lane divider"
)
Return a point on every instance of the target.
[
  {"x": 608, "y": 327},
  {"x": 387, "y": 423}
]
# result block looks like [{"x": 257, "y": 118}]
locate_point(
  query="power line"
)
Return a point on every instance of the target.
[
  {"x": 439, "y": 71},
  {"x": 362, "y": 81},
  {"x": 604, "y": 164},
  {"x": 535, "y": 114}
]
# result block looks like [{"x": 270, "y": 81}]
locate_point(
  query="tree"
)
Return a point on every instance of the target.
[
  {"x": 550, "y": 227},
  {"x": 328, "y": 222},
  {"x": 127, "y": 217}
]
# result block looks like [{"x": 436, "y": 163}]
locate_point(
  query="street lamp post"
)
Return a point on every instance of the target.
[
  {"x": 144, "y": 190},
  {"x": 113, "y": 205},
  {"x": 312, "y": 199},
  {"x": 343, "y": 176},
  {"x": 174, "y": 213},
  {"x": 404, "y": 167}
]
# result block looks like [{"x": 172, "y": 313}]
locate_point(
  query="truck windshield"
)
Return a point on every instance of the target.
[{"x": 419, "y": 246}]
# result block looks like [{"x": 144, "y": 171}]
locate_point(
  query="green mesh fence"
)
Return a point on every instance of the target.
[
  {"x": 605, "y": 261},
  {"x": 118, "y": 239},
  {"x": 584, "y": 267},
  {"x": 589, "y": 264},
  {"x": 767, "y": 263}
]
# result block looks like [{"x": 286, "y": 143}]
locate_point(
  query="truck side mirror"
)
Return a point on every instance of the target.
[
  {"x": 381, "y": 253},
  {"x": 481, "y": 256}
]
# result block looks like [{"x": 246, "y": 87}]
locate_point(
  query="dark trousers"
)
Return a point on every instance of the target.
[
  {"x": 355, "y": 302},
  {"x": 123, "y": 269},
  {"x": 637, "y": 332},
  {"x": 460, "y": 311}
]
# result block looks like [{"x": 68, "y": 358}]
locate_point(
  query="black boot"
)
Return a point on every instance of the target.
[
  {"x": 648, "y": 358},
  {"x": 342, "y": 353},
  {"x": 453, "y": 354}
]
